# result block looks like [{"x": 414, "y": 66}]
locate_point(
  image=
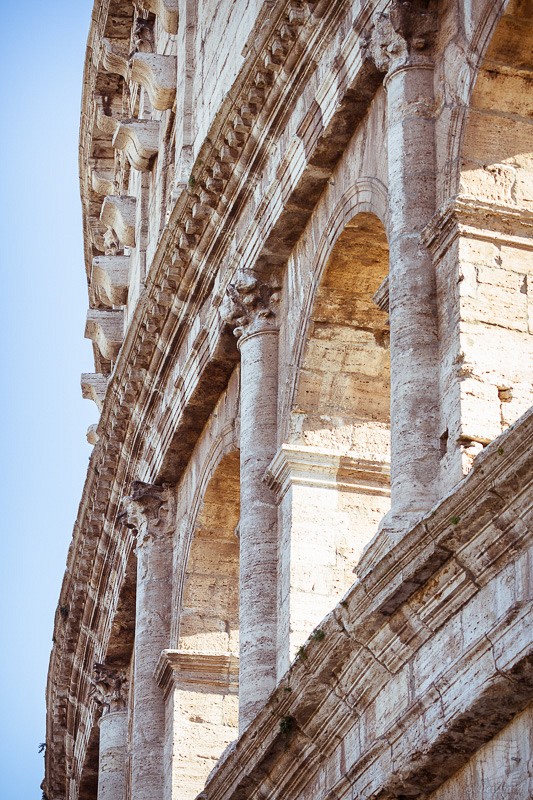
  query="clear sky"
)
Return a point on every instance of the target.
[{"x": 42, "y": 353}]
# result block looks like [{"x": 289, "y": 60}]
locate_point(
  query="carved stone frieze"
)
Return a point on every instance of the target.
[
  {"x": 250, "y": 305},
  {"x": 109, "y": 688}
]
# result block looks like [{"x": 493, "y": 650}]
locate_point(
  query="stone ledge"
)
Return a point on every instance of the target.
[{"x": 182, "y": 669}]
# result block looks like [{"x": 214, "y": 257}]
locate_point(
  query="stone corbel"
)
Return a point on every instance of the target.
[
  {"x": 111, "y": 275},
  {"x": 167, "y": 11},
  {"x": 139, "y": 139},
  {"x": 250, "y": 305},
  {"x": 118, "y": 213},
  {"x": 106, "y": 329},
  {"x": 109, "y": 688},
  {"x": 205, "y": 672},
  {"x": 103, "y": 182},
  {"x": 94, "y": 387},
  {"x": 156, "y": 74},
  {"x": 104, "y": 121},
  {"x": 115, "y": 56}
]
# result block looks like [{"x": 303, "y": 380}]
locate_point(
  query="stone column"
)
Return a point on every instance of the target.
[
  {"x": 149, "y": 512},
  {"x": 109, "y": 690},
  {"x": 401, "y": 46},
  {"x": 254, "y": 305}
]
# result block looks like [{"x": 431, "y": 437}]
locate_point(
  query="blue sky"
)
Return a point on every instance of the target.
[{"x": 42, "y": 353}]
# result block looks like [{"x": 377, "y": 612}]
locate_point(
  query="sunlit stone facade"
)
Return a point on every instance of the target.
[{"x": 302, "y": 565}]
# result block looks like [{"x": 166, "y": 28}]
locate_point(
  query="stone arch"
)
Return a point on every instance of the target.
[
  {"x": 332, "y": 472},
  {"x": 345, "y": 331}
]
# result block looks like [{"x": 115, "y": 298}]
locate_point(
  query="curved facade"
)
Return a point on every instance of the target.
[{"x": 308, "y": 242}]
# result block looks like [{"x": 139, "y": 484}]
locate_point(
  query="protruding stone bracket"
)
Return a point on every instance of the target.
[
  {"x": 167, "y": 11},
  {"x": 250, "y": 305},
  {"x": 103, "y": 183},
  {"x": 118, "y": 213},
  {"x": 111, "y": 275},
  {"x": 309, "y": 466},
  {"x": 104, "y": 121},
  {"x": 211, "y": 672},
  {"x": 109, "y": 688},
  {"x": 94, "y": 387},
  {"x": 106, "y": 329},
  {"x": 148, "y": 510},
  {"x": 115, "y": 56},
  {"x": 156, "y": 74},
  {"x": 139, "y": 139}
]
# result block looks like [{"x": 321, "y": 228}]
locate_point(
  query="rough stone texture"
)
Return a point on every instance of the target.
[{"x": 346, "y": 186}]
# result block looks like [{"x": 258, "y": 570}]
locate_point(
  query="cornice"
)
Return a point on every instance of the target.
[{"x": 184, "y": 669}]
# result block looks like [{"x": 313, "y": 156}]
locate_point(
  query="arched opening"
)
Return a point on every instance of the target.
[
  {"x": 205, "y": 710},
  {"x": 333, "y": 473},
  {"x": 485, "y": 270}
]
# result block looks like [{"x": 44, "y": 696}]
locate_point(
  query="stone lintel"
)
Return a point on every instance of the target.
[
  {"x": 118, "y": 213},
  {"x": 477, "y": 219},
  {"x": 180, "y": 669},
  {"x": 158, "y": 75},
  {"x": 308, "y": 466},
  {"x": 139, "y": 139}
]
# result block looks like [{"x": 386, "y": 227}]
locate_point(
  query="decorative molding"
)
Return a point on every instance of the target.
[
  {"x": 468, "y": 216},
  {"x": 381, "y": 297},
  {"x": 157, "y": 74},
  {"x": 148, "y": 511},
  {"x": 106, "y": 329},
  {"x": 109, "y": 688},
  {"x": 308, "y": 466},
  {"x": 181, "y": 669},
  {"x": 94, "y": 387},
  {"x": 166, "y": 10},
  {"x": 118, "y": 213},
  {"x": 139, "y": 139},
  {"x": 251, "y": 305},
  {"x": 111, "y": 275}
]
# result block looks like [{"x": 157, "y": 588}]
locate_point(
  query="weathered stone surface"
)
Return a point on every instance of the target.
[{"x": 347, "y": 188}]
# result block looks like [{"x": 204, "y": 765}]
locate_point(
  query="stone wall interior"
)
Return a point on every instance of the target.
[{"x": 302, "y": 565}]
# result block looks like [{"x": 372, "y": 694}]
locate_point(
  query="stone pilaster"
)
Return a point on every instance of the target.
[
  {"x": 109, "y": 690},
  {"x": 254, "y": 316},
  {"x": 198, "y": 687},
  {"x": 149, "y": 513},
  {"x": 401, "y": 46},
  {"x": 330, "y": 504}
]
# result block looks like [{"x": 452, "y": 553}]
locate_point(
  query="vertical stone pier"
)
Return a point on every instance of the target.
[
  {"x": 149, "y": 512},
  {"x": 109, "y": 690},
  {"x": 402, "y": 47},
  {"x": 254, "y": 314}
]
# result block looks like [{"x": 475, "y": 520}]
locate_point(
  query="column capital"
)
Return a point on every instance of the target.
[
  {"x": 402, "y": 36},
  {"x": 148, "y": 510},
  {"x": 109, "y": 688},
  {"x": 251, "y": 305}
]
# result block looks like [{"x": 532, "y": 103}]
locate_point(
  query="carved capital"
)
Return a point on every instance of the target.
[
  {"x": 147, "y": 510},
  {"x": 251, "y": 306},
  {"x": 109, "y": 688},
  {"x": 403, "y": 35}
]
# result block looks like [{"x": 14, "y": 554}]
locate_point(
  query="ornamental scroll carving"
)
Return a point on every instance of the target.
[
  {"x": 109, "y": 688},
  {"x": 147, "y": 510},
  {"x": 403, "y": 33},
  {"x": 250, "y": 305}
]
